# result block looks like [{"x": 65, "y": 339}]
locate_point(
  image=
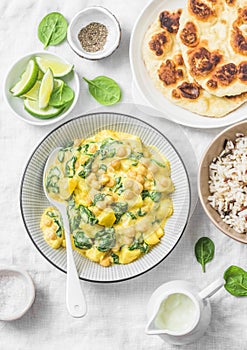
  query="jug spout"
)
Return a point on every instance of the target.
[
  {"x": 212, "y": 288},
  {"x": 151, "y": 328}
]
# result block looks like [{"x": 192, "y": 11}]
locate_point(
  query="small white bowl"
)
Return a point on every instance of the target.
[
  {"x": 94, "y": 14},
  {"x": 16, "y": 104},
  {"x": 26, "y": 292}
]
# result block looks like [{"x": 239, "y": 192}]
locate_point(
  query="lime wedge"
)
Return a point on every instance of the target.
[
  {"x": 27, "y": 80},
  {"x": 33, "y": 94},
  {"x": 46, "y": 88},
  {"x": 58, "y": 67},
  {"x": 32, "y": 107}
]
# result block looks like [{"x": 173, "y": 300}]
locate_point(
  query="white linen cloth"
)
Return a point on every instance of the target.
[{"x": 116, "y": 312}]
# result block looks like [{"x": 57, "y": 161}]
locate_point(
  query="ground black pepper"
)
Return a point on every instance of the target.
[{"x": 93, "y": 37}]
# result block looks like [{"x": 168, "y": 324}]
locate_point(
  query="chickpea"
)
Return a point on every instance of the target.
[
  {"x": 95, "y": 168},
  {"x": 121, "y": 152},
  {"x": 153, "y": 168},
  {"x": 50, "y": 233},
  {"x": 128, "y": 194},
  {"x": 140, "y": 179},
  {"x": 95, "y": 185},
  {"x": 127, "y": 240},
  {"x": 164, "y": 182},
  {"x": 101, "y": 205},
  {"x": 147, "y": 185},
  {"x": 132, "y": 173},
  {"x": 137, "y": 188},
  {"x": 92, "y": 177},
  {"x": 92, "y": 148},
  {"x": 104, "y": 179},
  {"x": 141, "y": 226},
  {"x": 114, "y": 197},
  {"x": 141, "y": 169},
  {"x": 130, "y": 232},
  {"x": 145, "y": 162},
  {"x": 116, "y": 164},
  {"x": 111, "y": 183},
  {"x": 77, "y": 142},
  {"x": 47, "y": 222},
  {"x": 128, "y": 183},
  {"x": 108, "y": 200},
  {"x": 149, "y": 176}
]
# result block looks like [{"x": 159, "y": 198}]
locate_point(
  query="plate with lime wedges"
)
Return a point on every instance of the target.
[{"x": 41, "y": 88}]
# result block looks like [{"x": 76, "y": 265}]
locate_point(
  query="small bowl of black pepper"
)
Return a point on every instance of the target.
[{"x": 94, "y": 33}]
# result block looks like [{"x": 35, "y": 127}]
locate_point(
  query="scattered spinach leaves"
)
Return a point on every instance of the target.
[
  {"x": 61, "y": 95},
  {"x": 155, "y": 196},
  {"x": 236, "y": 281},
  {"x": 87, "y": 216},
  {"x": 139, "y": 243},
  {"x": 52, "y": 29},
  {"x": 204, "y": 251},
  {"x": 158, "y": 163},
  {"x": 105, "y": 90},
  {"x": 98, "y": 197}
]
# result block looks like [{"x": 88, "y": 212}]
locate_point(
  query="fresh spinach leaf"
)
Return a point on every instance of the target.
[
  {"x": 52, "y": 29},
  {"x": 105, "y": 90},
  {"x": 81, "y": 240},
  {"x": 204, "y": 251},
  {"x": 105, "y": 239},
  {"x": 61, "y": 95},
  {"x": 236, "y": 281}
]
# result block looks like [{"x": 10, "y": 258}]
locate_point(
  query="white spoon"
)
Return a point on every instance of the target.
[{"x": 75, "y": 299}]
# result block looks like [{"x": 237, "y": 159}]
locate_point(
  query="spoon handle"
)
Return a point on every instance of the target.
[{"x": 75, "y": 299}]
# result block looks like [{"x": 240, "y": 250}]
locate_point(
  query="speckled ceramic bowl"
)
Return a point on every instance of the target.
[{"x": 94, "y": 14}]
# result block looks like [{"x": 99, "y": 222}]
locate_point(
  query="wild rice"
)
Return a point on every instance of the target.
[{"x": 228, "y": 183}]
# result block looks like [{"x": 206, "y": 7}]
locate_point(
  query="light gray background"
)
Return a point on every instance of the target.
[{"x": 116, "y": 313}]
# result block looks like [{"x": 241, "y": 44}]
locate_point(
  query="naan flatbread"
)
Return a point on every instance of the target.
[
  {"x": 213, "y": 38},
  {"x": 163, "y": 59}
]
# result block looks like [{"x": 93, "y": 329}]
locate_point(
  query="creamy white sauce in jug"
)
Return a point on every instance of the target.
[{"x": 176, "y": 313}]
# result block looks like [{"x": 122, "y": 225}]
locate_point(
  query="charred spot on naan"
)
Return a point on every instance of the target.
[
  {"x": 230, "y": 2},
  {"x": 187, "y": 90},
  {"x": 168, "y": 73},
  {"x": 242, "y": 72},
  {"x": 178, "y": 59},
  {"x": 200, "y": 10},
  {"x": 170, "y": 20},
  {"x": 212, "y": 84},
  {"x": 226, "y": 74},
  {"x": 239, "y": 32},
  {"x": 189, "y": 35},
  {"x": 202, "y": 61},
  {"x": 159, "y": 43}
]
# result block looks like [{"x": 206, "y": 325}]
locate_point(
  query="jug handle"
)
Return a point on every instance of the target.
[{"x": 212, "y": 288}]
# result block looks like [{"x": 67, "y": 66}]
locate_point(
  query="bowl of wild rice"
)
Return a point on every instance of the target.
[{"x": 222, "y": 181}]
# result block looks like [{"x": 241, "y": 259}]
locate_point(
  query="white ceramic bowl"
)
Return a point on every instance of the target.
[
  {"x": 16, "y": 104},
  {"x": 151, "y": 96},
  {"x": 94, "y": 14},
  {"x": 26, "y": 293},
  {"x": 33, "y": 200}
]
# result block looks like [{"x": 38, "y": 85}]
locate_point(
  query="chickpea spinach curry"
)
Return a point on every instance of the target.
[{"x": 118, "y": 197}]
